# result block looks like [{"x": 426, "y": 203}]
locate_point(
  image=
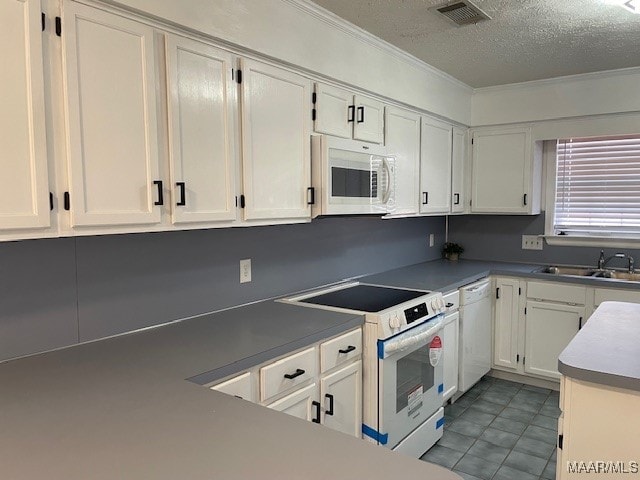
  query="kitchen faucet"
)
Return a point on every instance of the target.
[{"x": 602, "y": 262}]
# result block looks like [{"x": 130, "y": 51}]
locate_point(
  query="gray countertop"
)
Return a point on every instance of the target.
[
  {"x": 122, "y": 408},
  {"x": 606, "y": 350},
  {"x": 125, "y": 408},
  {"x": 445, "y": 276}
]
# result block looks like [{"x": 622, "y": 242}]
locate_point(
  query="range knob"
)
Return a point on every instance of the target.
[{"x": 394, "y": 321}]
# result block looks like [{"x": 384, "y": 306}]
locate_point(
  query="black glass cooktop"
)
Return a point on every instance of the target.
[{"x": 365, "y": 298}]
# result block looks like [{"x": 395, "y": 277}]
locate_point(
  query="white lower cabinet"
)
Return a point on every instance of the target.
[
  {"x": 450, "y": 335},
  {"x": 295, "y": 385},
  {"x": 299, "y": 403},
  {"x": 506, "y": 324},
  {"x": 341, "y": 393},
  {"x": 549, "y": 328},
  {"x": 533, "y": 323}
]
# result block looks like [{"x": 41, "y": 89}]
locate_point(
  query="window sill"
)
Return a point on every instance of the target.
[{"x": 602, "y": 242}]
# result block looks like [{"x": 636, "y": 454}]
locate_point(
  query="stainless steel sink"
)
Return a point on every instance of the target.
[
  {"x": 590, "y": 272},
  {"x": 616, "y": 275},
  {"x": 575, "y": 271}
]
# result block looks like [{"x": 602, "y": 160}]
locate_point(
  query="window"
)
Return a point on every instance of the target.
[{"x": 597, "y": 190}]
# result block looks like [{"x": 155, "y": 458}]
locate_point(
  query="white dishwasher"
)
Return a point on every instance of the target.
[{"x": 475, "y": 333}]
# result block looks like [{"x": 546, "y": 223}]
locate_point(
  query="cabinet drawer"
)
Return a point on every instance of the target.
[
  {"x": 557, "y": 292},
  {"x": 275, "y": 378},
  {"x": 340, "y": 350},
  {"x": 611, "y": 295},
  {"x": 238, "y": 386}
]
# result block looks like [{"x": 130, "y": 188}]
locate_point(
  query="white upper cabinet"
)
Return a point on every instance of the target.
[
  {"x": 344, "y": 114},
  {"x": 24, "y": 196},
  {"x": 435, "y": 166},
  {"x": 202, "y": 105},
  {"x": 368, "y": 125},
  {"x": 458, "y": 162},
  {"x": 402, "y": 139},
  {"x": 334, "y": 111},
  {"x": 506, "y": 171},
  {"x": 110, "y": 92},
  {"x": 276, "y": 142}
]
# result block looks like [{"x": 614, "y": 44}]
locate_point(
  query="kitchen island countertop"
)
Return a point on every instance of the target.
[{"x": 606, "y": 351}]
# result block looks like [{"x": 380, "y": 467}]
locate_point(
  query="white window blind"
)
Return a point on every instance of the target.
[{"x": 598, "y": 186}]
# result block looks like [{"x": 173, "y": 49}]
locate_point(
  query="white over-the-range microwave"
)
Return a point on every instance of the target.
[{"x": 351, "y": 177}]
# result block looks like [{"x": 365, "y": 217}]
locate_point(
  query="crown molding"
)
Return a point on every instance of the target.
[
  {"x": 334, "y": 21},
  {"x": 580, "y": 77}
]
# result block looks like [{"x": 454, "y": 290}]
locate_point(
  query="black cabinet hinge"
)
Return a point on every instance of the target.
[
  {"x": 523, "y": 360},
  {"x": 313, "y": 114},
  {"x": 242, "y": 203},
  {"x": 58, "y": 26},
  {"x": 518, "y": 358},
  {"x": 525, "y": 310},
  {"x": 519, "y": 291},
  {"x": 67, "y": 201},
  {"x": 239, "y": 76},
  {"x": 560, "y": 441},
  {"x": 51, "y": 201},
  {"x": 314, "y": 98},
  {"x": 43, "y": 17},
  {"x": 471, "y": 140}
]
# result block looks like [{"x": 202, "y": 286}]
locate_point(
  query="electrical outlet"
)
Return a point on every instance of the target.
[
  {"x": 432, "y": 240},
  {"x": 245, "y": 270},
  {"x": 532, "y": 242}
]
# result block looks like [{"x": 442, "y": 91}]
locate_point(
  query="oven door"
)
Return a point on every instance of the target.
[{"x": 410, "y": 380}]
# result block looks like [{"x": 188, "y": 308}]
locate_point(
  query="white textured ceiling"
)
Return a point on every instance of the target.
[{"x": 525, "y": 40}]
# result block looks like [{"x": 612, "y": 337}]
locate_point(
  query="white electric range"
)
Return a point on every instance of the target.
[{"x": 402, "y": 365}]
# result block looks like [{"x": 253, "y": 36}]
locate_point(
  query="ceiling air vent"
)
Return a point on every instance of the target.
[{"x": 462, "y": 12}]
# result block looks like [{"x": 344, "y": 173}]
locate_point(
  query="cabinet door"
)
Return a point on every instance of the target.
[
  {"x": 341, "y": 393},
  {"x": 505, "y": 324},
  {"x": 299, "y": 403},
  {"x": 24, "y": 196},
  {"x": 501, "y": 171},
  {"x": 435, "y": 167},
  {"x": 450, "y": 335},
  {"x": 369, "y": 120},
  {"x": 276, "y": 139},
  {"x": 402, "y": 139},
  {"x": 201, "y": 104},
  {"x": 109, "y": 69},
  {"x": 548, "y": 330},
  {"x": 334, "y": 111},
  {"x": 458, "y": 160}
]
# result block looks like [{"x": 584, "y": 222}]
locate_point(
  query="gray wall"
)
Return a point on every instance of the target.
[
  {"x": 57, "y": 292},
  {"x": 499, "y": 237}
]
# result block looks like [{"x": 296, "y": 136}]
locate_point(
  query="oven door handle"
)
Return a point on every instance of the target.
[{"x": 410, "y": 338}]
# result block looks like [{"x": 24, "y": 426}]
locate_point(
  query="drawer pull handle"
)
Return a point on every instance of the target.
[
  {"x": 350, "y": 348},
  {"x": 297, "y": 373},
  {"x": 329, "y": 411},
  {"x": 317, "y": 405},
  {"x": 449, "y": 305}
]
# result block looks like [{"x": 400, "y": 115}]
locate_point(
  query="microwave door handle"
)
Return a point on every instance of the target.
[{"x": 387, "y": 192}]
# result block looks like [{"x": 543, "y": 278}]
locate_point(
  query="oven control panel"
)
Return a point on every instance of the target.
[
  {"x": 410, "y": 314},
  {"x": 415, "y": 313}
]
